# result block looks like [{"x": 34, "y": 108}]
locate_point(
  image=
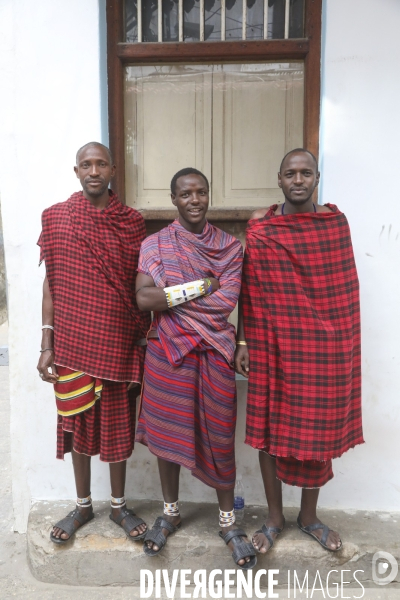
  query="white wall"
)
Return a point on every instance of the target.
[
  {"x": 49, "y": 73},
  {"x": 50, "y": 106},
  {"x": 359, "y": 145}
]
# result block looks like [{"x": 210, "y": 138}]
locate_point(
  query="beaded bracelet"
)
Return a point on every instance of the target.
[
  {"x": 207, "y": 282},
  {"x": 178, "y": 294}
]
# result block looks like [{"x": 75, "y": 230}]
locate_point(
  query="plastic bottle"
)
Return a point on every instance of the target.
[{"x": 239, "y": 499}]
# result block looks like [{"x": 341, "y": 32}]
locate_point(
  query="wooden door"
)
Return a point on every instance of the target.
[{"x": 234, "y": 122}]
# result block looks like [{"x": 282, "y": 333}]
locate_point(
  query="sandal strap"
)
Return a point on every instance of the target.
[
  {"x": 132, "y": 521},
  {"x": 267, "y": 532},
  {"x": 234, "y": 533},
  {"x": 242, "y": 550},
  {"x": 314, "y": 527},
  {"x": 156, "y": 536},
  {"x": 325, "y": 534},
  {"x": 162, "y": 523},
  {"x": 67, "y": 524}
]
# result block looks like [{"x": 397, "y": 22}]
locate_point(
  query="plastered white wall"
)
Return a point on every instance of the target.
[
  {"x": 50, "y": 106},
  {"x": 51, "y": 96},
  {"x": 359, "y": 146}
]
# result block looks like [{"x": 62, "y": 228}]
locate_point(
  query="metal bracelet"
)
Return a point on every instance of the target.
[
  {"x": 45, "y": 349},
  {"x": 48, "y": 327},
  {"x": 241, "y": 343}
]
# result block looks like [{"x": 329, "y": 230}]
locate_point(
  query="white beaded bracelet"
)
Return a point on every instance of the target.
[{"x": 177, "y": 294}]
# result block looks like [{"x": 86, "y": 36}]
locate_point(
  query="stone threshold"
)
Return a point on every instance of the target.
[{"x": 101, "y": 555}]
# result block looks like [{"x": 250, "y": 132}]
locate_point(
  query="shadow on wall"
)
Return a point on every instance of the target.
[{"x": 3, "y": 295}]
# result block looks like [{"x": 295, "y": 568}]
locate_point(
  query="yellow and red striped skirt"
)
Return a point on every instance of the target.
[{"x": 75, "y": 391}]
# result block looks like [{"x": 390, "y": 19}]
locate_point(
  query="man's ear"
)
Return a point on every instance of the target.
[
  {"x": 113, "y": 170},
  {"x": 173, "y": 199},
  {"x": 279, "y": 180},
  {"x": 318, "y": 178},
  {"x": 76, "y": 171}
]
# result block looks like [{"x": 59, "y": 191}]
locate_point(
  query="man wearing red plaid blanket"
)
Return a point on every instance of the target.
[
  {"x": 299, "y": 345},
  {"x": 93, "y": 333}
]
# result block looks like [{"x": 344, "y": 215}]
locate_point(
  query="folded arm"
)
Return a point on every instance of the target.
[
  {"x": 149, "y": 297},
  {"x": 220, "y": 304}
]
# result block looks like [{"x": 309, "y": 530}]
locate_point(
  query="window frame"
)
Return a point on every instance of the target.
[{"x": 121, "y": 54}]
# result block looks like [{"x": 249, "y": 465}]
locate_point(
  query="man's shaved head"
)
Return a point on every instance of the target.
[
  {"x": 296, "y": 151},
  {"x": 88, "y": 145}
]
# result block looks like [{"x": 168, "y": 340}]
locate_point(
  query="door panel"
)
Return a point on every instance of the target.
[
  {"x": 172, "y": 123},
  {"x": 233, "y": 122},
  {"x": 257, "y": 118}
]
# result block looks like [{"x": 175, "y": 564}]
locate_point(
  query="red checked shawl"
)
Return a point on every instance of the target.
[
  {"x": 302, "y": 324},
  {"x": 91, "y": 260},
  {"x": 175, "y": 256}
]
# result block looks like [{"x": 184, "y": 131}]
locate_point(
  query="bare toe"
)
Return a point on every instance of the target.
[
  {"x": 334, "y": 540},
  {"x": 138, "y": 530}
]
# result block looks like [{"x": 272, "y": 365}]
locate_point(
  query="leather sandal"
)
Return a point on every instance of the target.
[
  {"x": 156, "y": 535},
  {"x": 267, "y": 532},
  {"x": 308, "y": 529},
  {"x": 132, "y": 521},
  {"x": 241, "y": 549},
  {"x": 68, "y": 526}
]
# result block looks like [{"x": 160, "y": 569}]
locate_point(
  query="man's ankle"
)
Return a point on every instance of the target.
[{"x": 85, "y": 503}]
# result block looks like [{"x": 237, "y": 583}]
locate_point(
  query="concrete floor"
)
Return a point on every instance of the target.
[{"x": 102, "y": 556}]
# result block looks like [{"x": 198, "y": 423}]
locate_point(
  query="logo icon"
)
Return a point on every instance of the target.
[{"x": 384, "y": 568}]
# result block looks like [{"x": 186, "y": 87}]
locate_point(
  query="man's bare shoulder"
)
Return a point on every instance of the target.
[{"x": 260, "y": 213}]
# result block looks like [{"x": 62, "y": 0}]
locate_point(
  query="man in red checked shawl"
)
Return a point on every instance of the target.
[
  {"x": 299, "y": 345},
  {"x": 92, "y": 333},
  {"x": 189, "y": 274}
]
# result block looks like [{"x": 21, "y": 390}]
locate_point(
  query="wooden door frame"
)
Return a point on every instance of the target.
[{"x": 121, "y": 54}]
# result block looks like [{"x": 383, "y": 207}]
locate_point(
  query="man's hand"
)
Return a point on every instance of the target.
[
  {"x": 214, "y": 284},
  {"x": 242, "y": 362},
  {"x": 134, "y": 385},
  {"x": 46, "y": 361}
]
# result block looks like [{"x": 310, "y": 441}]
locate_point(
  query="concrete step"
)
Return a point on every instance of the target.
[{"x": 101, "y": 555}]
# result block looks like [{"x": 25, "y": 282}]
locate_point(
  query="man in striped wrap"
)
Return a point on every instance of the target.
[
  {"x": 92, "y": 331},
  {"x": 189, "y": 275},
  {"x": 299, "y": 344}
]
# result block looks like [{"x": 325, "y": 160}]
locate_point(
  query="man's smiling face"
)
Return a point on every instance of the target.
[{"x": 191, "y": 199}]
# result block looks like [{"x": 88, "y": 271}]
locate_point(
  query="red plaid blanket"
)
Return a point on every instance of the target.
[
  {"x": 91, "y": 263},
  {"x": 302, "y": 321}
]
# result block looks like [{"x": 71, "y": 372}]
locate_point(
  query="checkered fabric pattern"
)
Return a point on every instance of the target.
[
  {"x": 91, "y": 260},
  {"x": 303, "y": 473},
  {"x": 300, "y": 300},
  {"x": 108, "y": 428}
]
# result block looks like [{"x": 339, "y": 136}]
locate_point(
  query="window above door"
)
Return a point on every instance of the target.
[
  {"x": 244, "y": 80},
  {"x": 208, "y": 20}
]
